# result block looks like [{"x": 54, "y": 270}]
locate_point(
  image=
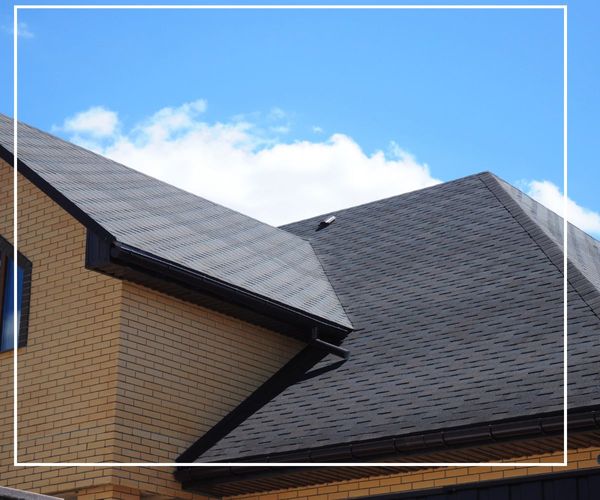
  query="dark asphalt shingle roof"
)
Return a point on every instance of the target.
[
  {"x": 183, "y": 228},
  {"x": 458, "y": 320},
  {"x": 584, "y": 251}
]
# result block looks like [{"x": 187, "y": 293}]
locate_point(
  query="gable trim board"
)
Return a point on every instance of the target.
[{"x": 54, "y": 194}]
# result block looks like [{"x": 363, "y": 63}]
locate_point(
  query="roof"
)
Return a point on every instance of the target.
[
  {"x": 179, "y": 227},
  {"x": 456, "y": 295}
]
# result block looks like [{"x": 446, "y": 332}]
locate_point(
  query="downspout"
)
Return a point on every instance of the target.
[{"x": 292, "y": 372}]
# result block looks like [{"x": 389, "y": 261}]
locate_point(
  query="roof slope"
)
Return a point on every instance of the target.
[
  {"x": 584, "y": 251},
  {"x": 458, "y": 315},
  {"x": 183, "y": 228}
]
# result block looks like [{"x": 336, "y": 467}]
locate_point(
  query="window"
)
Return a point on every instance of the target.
[{"x": 7, "y": 296}]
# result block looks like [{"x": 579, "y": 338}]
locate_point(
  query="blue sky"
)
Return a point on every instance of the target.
[{"x": 343, "y": 106}]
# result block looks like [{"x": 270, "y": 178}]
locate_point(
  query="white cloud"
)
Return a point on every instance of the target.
[
  {"x": 241, "y": 165},
  {"x": 548, "y": 194},
  {"x": 167, "y": 122},
  {"x": 96, "y": 122},
  {"x": 317, "y": 130},
  {"x": 23, "y": 30},
  {"x": 277, "y": 114}
]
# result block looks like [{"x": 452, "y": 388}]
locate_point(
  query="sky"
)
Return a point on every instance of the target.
[{"x": 284, "y": 115}]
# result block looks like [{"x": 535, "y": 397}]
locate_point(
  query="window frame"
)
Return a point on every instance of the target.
[{"x": 6, "y": 252}]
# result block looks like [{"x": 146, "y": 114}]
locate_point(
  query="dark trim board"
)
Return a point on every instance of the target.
[
  {"x": 132, "y": 257},
  {"x": 573, "y": 485},
  {"x": 495, "y": 432}
]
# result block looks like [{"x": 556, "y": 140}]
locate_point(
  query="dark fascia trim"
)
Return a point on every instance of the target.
[
  {"x": 55, "y": 195},
  {"x": 580, "y": 420},
  {"x": 289, "y": 374},
  {"x": 127, "y": 255},
  {"x": 483, "y": 484}
]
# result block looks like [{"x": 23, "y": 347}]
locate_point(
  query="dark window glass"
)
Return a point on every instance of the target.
[{"x": 8, "y": 319}]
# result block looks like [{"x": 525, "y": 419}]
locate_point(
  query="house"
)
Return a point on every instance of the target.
[{"x": 156, "y": 326}]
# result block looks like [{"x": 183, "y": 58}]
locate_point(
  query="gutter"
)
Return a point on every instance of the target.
[
  {"x": 388, "y": 447},
  {"x": 114, "y": 257},
  {"x": 123, "y": 253}
]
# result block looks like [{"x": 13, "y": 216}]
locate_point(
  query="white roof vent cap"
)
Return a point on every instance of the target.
[{"x": 326, "y": 222}]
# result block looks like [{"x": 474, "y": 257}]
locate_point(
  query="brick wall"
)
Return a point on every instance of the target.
[
  {"x": 181, "y": 369},
  {"x": 113, "y": 371},
  {"x": 67, "y": 384}
]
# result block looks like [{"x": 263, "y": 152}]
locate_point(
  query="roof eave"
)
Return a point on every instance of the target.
[
  {"x": 551, "y": 425},
  {"x": 126, "y": 262}
]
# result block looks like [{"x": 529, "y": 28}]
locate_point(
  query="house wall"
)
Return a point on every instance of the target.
[
  {"x": 424, "y": 479},
  {"x": 66, "y": 379},
  {"x": 181, "y": 369},
  {"x": 113, "y": 371}
]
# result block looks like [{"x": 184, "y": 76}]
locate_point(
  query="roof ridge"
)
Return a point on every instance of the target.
[
  {"x": 588, "y": 292},
  {"x": 387, "y": 198}
]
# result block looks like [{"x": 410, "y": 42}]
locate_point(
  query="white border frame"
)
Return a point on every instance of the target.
[{"x": 312, "y": 464}]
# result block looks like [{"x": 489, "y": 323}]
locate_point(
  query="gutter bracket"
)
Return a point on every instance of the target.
[{"x": 315, "y": 341}]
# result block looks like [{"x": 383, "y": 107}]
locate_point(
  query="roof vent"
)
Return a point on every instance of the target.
[{"x": 326, "y": 222}]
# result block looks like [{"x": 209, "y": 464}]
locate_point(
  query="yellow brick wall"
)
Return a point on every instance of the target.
[
  {"x": 113, "y": 371},
  {"x": 182, "y": 368},
  {"x": 67, "y": 383},
  {"x": 431, "y": 478}
]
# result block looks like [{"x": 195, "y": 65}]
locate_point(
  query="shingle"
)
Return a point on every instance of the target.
[
  {"x": 458, "y": 320},
  {"x": 583, "y": 250},
  {"x": 183, "y": 228}
]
